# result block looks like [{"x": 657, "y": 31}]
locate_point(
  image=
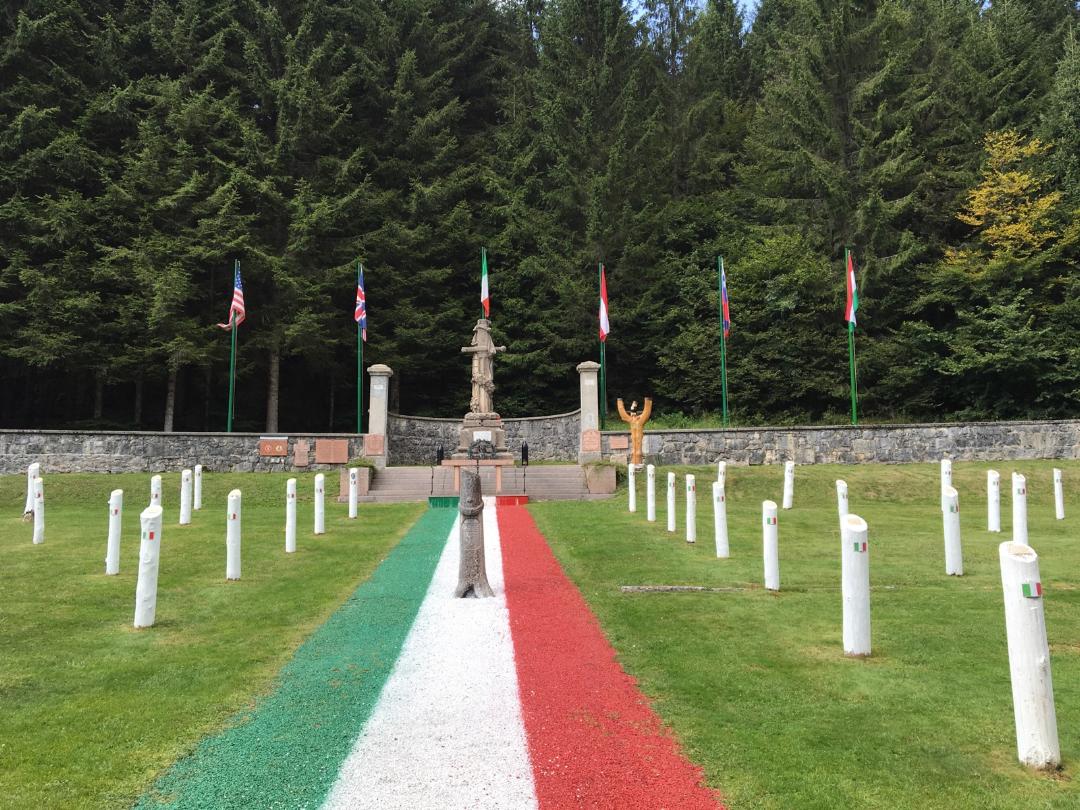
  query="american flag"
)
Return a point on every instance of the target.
[
  {"x": 237, "y": 305},
  {"x": 360, "y": 313}
]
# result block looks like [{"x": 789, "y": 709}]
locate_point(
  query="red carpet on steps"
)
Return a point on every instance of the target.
[{"x": 593, "y": 739}]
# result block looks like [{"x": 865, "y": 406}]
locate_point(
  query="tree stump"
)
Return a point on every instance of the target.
[{"x": 472, "y": 572}]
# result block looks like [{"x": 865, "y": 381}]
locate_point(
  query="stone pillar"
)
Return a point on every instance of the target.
[
  {"x": 589, "y": 447},
  {"x": 375, "y": 444}
]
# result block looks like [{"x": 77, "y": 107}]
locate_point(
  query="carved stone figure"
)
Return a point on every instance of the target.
[
  {"x": 472, "y": 572},
  {"x": 637, "y": 426},
  {"x": 483, "y": 351}
]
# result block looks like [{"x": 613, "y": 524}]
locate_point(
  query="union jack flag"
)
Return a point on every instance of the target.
[
  {"x": 237, "y": 306},
  {"x": 360, "y": 312}
]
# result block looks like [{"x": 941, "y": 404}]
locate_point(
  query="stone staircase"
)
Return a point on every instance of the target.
[{"x": 546, "y": 482}]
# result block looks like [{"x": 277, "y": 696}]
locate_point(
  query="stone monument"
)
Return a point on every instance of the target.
[
  {"x": 482, "y": 423},
  {"x": 637, "y": 426},
  {"x": 472, "y": 570}
]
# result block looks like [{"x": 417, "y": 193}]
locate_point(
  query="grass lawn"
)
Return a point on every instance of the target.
[
  {"x": 91, "y": 710},
  {"x": 755, "y": 684}
]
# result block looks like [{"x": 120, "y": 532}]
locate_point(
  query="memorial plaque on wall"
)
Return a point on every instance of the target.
[
  {"x": 331, "y": 451},
  {"x": 274, "y": 446}
]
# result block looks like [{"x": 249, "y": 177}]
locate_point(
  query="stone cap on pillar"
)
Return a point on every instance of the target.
[
  {"x": 588, "y": 365},
  {"x": 379, "y": 370}
]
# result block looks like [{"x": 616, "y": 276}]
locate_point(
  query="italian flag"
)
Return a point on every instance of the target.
[
  {"x": 485, "y": 297},
  {"x": 408, "y": 697},
  {"x": 605, "y": 327},
  {"x": 1032, "y": 590},
  {"x": 852, "y": 292}
]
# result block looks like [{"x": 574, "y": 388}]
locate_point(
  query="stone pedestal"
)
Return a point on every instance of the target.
[
  {"x": 589, "y": 446},
  {"x": 481, "y": 426},
  {"x": 378, "y": 400}
]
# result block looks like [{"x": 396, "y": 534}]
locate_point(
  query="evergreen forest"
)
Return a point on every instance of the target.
[{"x": 147, "y": 144}]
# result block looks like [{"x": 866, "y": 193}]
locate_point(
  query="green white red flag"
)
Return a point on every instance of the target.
[
  {"x": 485, "y": 297},
  {"x": 852, "y": 292}
]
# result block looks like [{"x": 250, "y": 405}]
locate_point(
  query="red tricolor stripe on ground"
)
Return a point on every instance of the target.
[{"x": 593, "y": 739}]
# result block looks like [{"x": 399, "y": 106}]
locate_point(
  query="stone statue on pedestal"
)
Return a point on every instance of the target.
[
  {"x": 482, "y": 423},
  {"x": 637, "y": 426}
]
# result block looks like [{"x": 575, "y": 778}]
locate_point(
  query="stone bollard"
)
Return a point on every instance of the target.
[
  {"x": 719, "y": 502},
  {"x": 32, "y": 472},
  {"x": 112, "y": 547},
  {"x": 185, "y": 497},
  {"x": 1029, "y": 657},
  {"x": 472, "y": 569},
  {"x": 155, "y": 491},
  {"x": 993, "y": 501},
  {"x": 197, "y": 501},
  {"x": 631, "y": 487},
  {"x": 691, "y": 509},
  {"x": 149, "y": 557},
  {"x": 771, "y": 541},
  {"x": 320, "y": 504},
  {"x": 354, "y": 486},
  {"x": 721, "y": 473},
  {"x": 650, "y": 493},
  {"x": 855, "y": 586},
  {"x": 946, "y": 481},
  {"x": 1019, "y": 509},
  {"x": 290, "y": 516},
  {"x": 789, "y": 483},
  {"x": 39, "y": 511},
  {"x": 1059, "y": 495},
  {"x": 954, "y": 556},
  {"x": 671, "y": 502},
  {"x": 232, "y": 537},
  {"x": 841, "y": 503}
]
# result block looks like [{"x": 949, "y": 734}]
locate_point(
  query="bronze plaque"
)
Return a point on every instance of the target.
[
  {"x": 331, "y": 451},
  {"x": 274, "y": 447}
]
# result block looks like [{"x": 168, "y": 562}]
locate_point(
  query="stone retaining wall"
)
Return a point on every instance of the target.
[
  {"x": 413, "y": 439},
  {"x": 891, "y": 444}
]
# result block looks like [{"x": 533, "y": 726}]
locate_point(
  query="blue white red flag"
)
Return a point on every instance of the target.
[
  {"x": 360, "y": 312},
  {"x": 726, "y": 316}
]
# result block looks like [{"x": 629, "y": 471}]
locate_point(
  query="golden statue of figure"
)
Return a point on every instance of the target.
[{"x": 637, "y": 426}]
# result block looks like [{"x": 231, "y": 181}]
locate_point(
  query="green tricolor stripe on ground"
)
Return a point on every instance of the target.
[{"x": 287, "y": 751}]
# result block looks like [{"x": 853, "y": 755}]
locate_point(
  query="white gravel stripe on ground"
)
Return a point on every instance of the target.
[{"x": 447, "y": 731}]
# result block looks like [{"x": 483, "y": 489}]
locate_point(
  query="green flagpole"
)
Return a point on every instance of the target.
[
  {"x": 851, "y": 351},
  {"x": 603, "y": 365},
  {"x": 359, "y": 362},
  {"x": 232, "y": 359},
  {"x": 723, "y": 337}
]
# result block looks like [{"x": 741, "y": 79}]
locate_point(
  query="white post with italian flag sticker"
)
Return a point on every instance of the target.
[
  {"x": 954, "y": 556},
  {"x": 232, "y": 537},
  {"x": 1059, "y": 495},
  {"x": 631, "y": 488},
  {"x": 185, "y": 497},
  {"x": 671, "y": 502},
  {"x": 650, "y": 493},
  {"x": 39, "y": 511},
  {"x": 149, "y": 557},
  {"x": 946, "y": 481},
  {"x": 354, "y": 487},
  {"x": 993, "y": 501},
  {"x": 841, "y": 503},
  {"x": 320, "y": 504},
  {"x": 1029, "y": 657},
  {"x": 789, "y": 483},
  {"x": 1019, "y": 509},
  {"x": 771, "y": 541},
  {"x": 112, "y": 547},
  {"x": 691, "y": 509},
  {"x": 855, "y": 586},
  {"x": 721, "y": 472},
  {"x": 155, "y": 490},
  {"x": 290, "y": 516},
  {"x": 197, "y": 501},
  {"x": 32, "y": 472},
  {"x": 719, "y": 502}
]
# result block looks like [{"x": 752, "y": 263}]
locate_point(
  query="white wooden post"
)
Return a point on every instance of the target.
[
  {"x": 789, "y": 483},
  {"x": 719, "y": 503},
  {"x": 946, "y": 481},
  {"x": 671, "y": 501},
  {"x": 39, "y": 511},
  {"x": 691, "y": 509},
  {"x": 954, "y": 556},
  {"x": 354, "y": 485},
  {"x": 1019, "y": 509},
  {"x": 631, "y": 487},
  {"x": 149, "y": 557},
  {"x": 855, "y": 586},
  {"x": 185, "y": 497},
  {"x": 721, "y": 472},
  {"x": 1029, "y": 657},
  {"x": 197, "y": 503},
  {"x": 112, "y": 547},
  {"x": 320, "y": 509},
  {"x": 993, "y": 501},
  {"x": 155, "y": 490},
  {"x": 650, "y": 493},
  {"x": 841, "y": 503},
  {"x": 1059, "y": 495},
  {"x": 232, "y": 537},
  {"x": 32, "y": 472},
  {"x": 290, "y": 516},
  {"x": 770, "y": 536}
]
